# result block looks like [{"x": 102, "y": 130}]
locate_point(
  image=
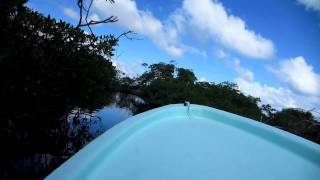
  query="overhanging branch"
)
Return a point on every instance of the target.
[{"x": 87, "y": 22}]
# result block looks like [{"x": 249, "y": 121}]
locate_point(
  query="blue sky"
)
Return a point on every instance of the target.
[{"x": 271, "y": 49}]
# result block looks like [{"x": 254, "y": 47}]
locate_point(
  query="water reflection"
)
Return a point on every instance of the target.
[
  {"x": 122, "y": 107},
  {"x": 111, "y": 115},
  {"x": 42, "y": 151}
]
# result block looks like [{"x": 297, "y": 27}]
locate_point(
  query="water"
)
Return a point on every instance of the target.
[
  {"x": 47, "y": 150},
  {"x": 112, "y": 115}
]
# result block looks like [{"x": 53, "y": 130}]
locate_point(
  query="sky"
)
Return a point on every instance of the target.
[{"x": 269, "y": 48}]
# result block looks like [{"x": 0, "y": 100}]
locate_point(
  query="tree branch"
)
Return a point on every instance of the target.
[
  {"x": 80, "y": 5},
  {"x": 125, "y": 34},
  {"x": 88, "y": 23},
  {"x": 110, "y": 19}
]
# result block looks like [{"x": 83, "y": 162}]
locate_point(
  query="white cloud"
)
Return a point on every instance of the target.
[
  {"x": 311, "y": 4},
  {"x": 142, "y": 22},
  {"x": 177, "y": 18},
  {"x": 235, "y": 65},
  {"x": 243, "y": 72},
  {"x": 299, "y": 76},
  {"x": 277, "y": 97},
  {"x": 70, "y": 13},
  {"x": 94, "y": 17},
  {"x": 203, "y": 79},
  {"x": 194, "y": 50},
  {"x": 221, "y": 54},
  {"x": 212, "y": 18},
  {"x": 132, "y": 69},
  {"x": 208, "y": 16}
]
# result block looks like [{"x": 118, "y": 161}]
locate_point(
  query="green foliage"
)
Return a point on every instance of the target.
[
  {"x": 267, "y": 111},
  {"x": 156, "y": 71},
  {"x": 296, "y": 121},
  {"x": 43, "y": 58},
  {"x": 158, "y": 86},
  {"x": 185, "y": 75},
  {"x": 162, "y": 71},
  {"x": 48, "y": 67}
]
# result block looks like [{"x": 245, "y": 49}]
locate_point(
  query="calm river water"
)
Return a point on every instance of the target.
[{"x": 82, "y": 127}]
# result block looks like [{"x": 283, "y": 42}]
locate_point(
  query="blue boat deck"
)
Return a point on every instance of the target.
[{"x": 204, "y": 143}]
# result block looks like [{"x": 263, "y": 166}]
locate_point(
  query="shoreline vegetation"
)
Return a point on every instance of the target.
[{"x": 49, "y": 67}]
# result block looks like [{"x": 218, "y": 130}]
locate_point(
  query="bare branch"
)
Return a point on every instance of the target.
[
  {"x": 80, "y": 5},
  {"x": 91, "y": 22},
  {"x": 110, "y": 19},
  {"x": 88, "y": 23},
  {"x": 88, "y": 10},
  {"x": 125, "y": 34}
]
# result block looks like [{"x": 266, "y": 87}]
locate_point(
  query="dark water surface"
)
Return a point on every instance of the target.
[{"x": 36, "y": 158}]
